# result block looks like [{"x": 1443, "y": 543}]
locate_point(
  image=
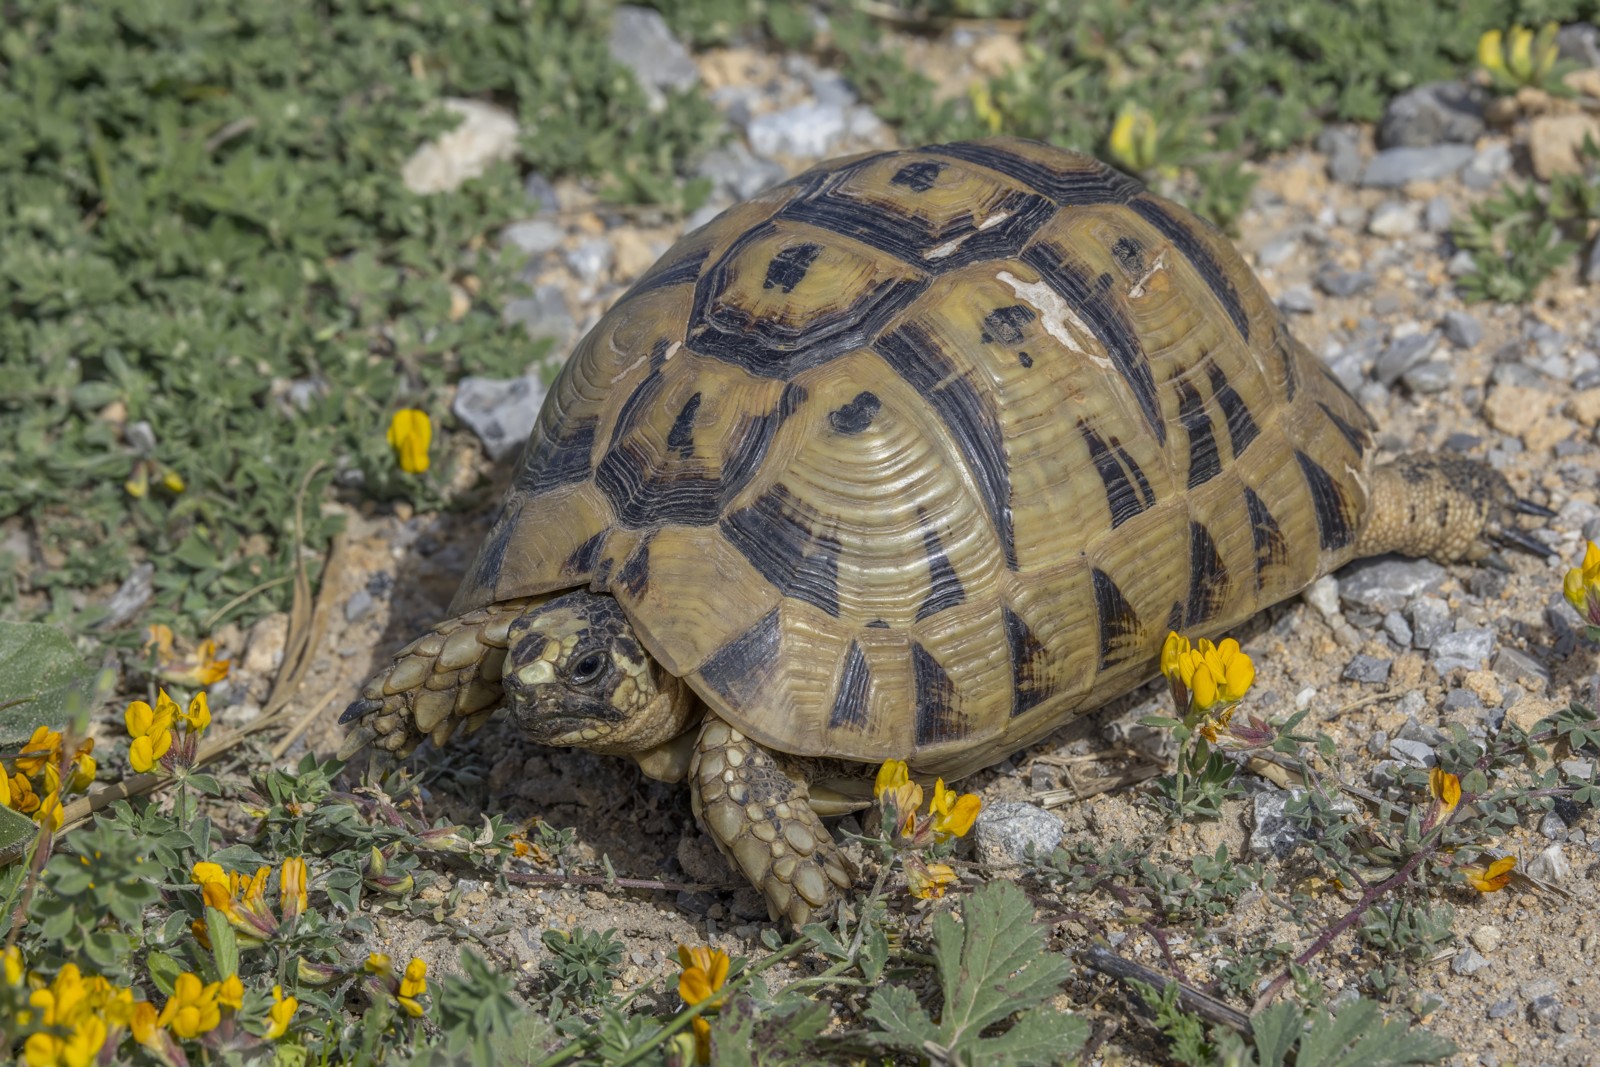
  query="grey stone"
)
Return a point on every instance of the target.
[
  {"x": 1463, "y": 648},
  {"x": 1399, "y": 631},
  {"x": 1387, "y": 583},
  {"x": 1274, "y": 833},
  {"x": 1006, "y": 830},
  {"x": 1462, "y": 442},
  {"x": 1368, "y": 669},
  {"x": 543, "y": 314},
  {"x": 1462, "y": 700},
  {"x": 358, "y": 607},
  {"x": 641, "y": 41},
  {"x": 1431, "y": 114},
  {"x": 1430, "y": 618},
  {"x": 1436, "y": 216},
  {"x": 533, "y": 236},
  {"x": 1342, "y": 146},
  {"x": 1577, "y": 768},
  {"x": 1468, "y": 961},
  {"x": 1276, "y": 251},
  {"x": 590, "y": 259},
  {"x": 1540, "y": 987},
  {"x": 1411, "y": 705},
  {"x": 1336, "y": 281},
  {"x": 1487, "y": 167},
  {"x": 1378, "y": 743},
  {"x": 1461, "y": 329},
  {"x": 1404, "y": 353},
  {"x": 1392, "y": 219},
  {"x": 1297, "y": 299},
  {"x": 1385, "y": 773},
  {"x": 1416, "y": 753},
  {"x": 1550, "y": 865},
  {"x": 1544, "y": 1009},
  {"x": 130, "y": 598},
  {"x": 1415, "y": 730},
  {"x": 140, "y": 436},
  {"x": 487, "y": 134},
  {"x": 1502, "y": 1008},
  {"x": 1460, "y": 264},
  {"x": 1591, "y": 263},
  {"x": 738, "y": 172},
  {"x": 1553, "y": 826},
  {"x": 809, "y": 131},
  {"x": 1579, "y": 42},
  {"x": 1395, "y": 167},
  {"x": 537, "y": 188},
  {"x": 1434, "y": 376},
  {"x": 1512, "y": 664},
  {"x": 501, "y": 412}
]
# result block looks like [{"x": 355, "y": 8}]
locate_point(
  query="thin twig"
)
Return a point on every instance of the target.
[
  {"x": 1202, "y": 1004},
  {"x": 521, "y": 878}
]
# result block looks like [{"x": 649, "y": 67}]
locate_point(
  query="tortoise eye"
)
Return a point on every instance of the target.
[{"x": 587, "y": 669}]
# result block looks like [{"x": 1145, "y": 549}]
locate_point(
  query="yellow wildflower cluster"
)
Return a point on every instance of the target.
[
  {"x": 405, "y": 989},
  {"x": 410, "y": 434},
  {"x": 1582, "y": 586},
  {"x": 949, "y": 816},
  {"x": 1520, "y": 56},
  {"x": 35, "y": 787},
  {"x": 201, "y": 669},
  {"x": 1207, "y": 680},
  {"x": 153, "y": 732},
  {"x": 242, "y": 899},
  {"x": 82, "y": 1013},
  {"x": 705, "y": 972},
  {"x": 1445, "y": 788},
  {"x": 147, "y": 470}
]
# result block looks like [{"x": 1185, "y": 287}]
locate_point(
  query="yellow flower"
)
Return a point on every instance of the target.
[
  {"x": 378, "y": 963},
  {"x": 231, "y": 993},
  {"x": 1520, "y": 57},
  {"x": 1134, "y": 137},
  {"x": 80, "y": 1048},
  {"x": 413, "y": 984},
  {"x": 1582, "y": 586},
  {"x": 40, "y": 750},
  {"x": 292, "y": 888},
  {"x": 151, "y": 730},
  {"x": 705, "y": 971},
  {"x": 1445, "y": 787},
  {"x": 145, "y": 1025},
  {"x": 410, "y": 433},
  {"x": 23, "y": 798},
  {"x": 84, "y": 768},
  {"x": 929, "y": 880},
  {"x": 192, "y": 1009},
  {"x": 15, "y": 971},
  {"x": 893, "y": 773},
  {"x": 1210, "y": 674},
  {"x": 281, "y": 1012},
  {"x": 1494, "y": 879},
  {"x": 198, "y": 717},
  {"x": 50, "y": 811},
  {"x": 953, "y": 816},
  {"x": 79, "y": 1011},
  {"x": 242, "y": 899}
]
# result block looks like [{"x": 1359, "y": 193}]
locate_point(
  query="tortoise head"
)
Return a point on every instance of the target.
[{"x": 575, "y": 674}]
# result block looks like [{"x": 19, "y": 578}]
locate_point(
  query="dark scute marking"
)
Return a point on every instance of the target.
[
  {"x": 1119, "y": 472},
  {"x": 681, "y": 437},
  {"x": 602, "y": 576},
  {"x": 681, "y": 272},
  {"x": 778, "y": 536},
  {"x": 1242, "y": 429},
  {"x": 1333, "y": 518},
  {"x": 1291, "y": 378},
  {"x": 1087, "y": 182},
  {"x": 850, "y": 704},
  {"x": 529, "y": 649},
  {"x": 937, "y": 717},
  {"x": 1006, "y": 324},
  {"x": 972, "y": 423},
  {"x": 1358, "y": 438},
  {"x": 1129, "y": 255},
  {"x": 736, "y": 670},
  {"x": 856, "y": 415},
  {"x": 772, "y": 349},
  {"x": 1266, "y": 535},
  {"x": 1194, "y": 249},
  {"x": 1175, "y": 617},
  {"x": 1025, "y": 359},
  {"x": 561, "y": 459},
  {"x": 877, "y": 624},
  {"x": 1030, "y": 674},
  {"x": 898, "y": 231},
  {"x": 944, "y": 587},
  {"x": 1109, "y": 322},
  {"x": 582, "y": 559},
  {"x": 1204, "y": 462},
  {"x": 635, "y": 573},
  {"x": 638, "y": 402},
  {"x": 1119, "y": 623},
  {"x": 492, "y": 554},
  {"x": 1208, "y": 577},
  {"x": 788, "y": 268},
  {"x": 919, "y": 177},
  {"x": 793, "y": 396}
]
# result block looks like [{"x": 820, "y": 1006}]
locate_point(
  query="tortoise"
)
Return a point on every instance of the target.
[{"x": 918, "y": 455}]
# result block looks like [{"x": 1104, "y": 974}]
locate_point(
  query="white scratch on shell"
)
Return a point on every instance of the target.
[{"x": 1055, "y": 315}]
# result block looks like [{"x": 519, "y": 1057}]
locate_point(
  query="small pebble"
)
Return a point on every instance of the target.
[
  {"x": 1485, "y": 938},
  {"x": 1393, "y": 219},
  {"x": 1323, "y": 594},
  {"x": 1550, "y": 865},
  {"x": 1465, "y": 648},
  {"x": 1336, "y": 281},
  {"x": 1430, "y": 619},
  {"x": 1007, "y": 830},
  {"x": 1394, "y": 167},
  {"x": 1434, "y": 376},
  {"x": 1553, "y": 826},
  {"x": 1403, "y": 354},
  {"x": 1368, "y": 669},
  {"x": 1502, "y": 1008},
  {"x": 1297, "y": 299},
  {"x": 1468, "y": 961},
  {"x": 1461, "y": 329},
  {"x": 1415, "y": 753},
  {"x": 1436, "y": 216},
  {"x": 358, "y": 606},
  {"x": 1398, "y": 629}
]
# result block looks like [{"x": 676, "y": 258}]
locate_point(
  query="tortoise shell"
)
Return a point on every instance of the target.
[{"x": 923, "y": 451}]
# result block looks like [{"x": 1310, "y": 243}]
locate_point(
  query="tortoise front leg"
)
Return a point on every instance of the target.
[
  {"x": 449, "y": 675},
  {"x": 754, "y": 804}
]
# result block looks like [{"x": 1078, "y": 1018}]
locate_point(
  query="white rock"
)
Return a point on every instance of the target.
[
  {"x": 486, "y": 135},
  {"x": 1485, "y": 938}
]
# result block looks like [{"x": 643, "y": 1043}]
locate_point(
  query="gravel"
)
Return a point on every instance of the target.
[
  {"x": 1432, "y": 114},
  {"x": 544, "y": 314},
  {"x": 1416, "y": 753},
  {"x": 1369, "y": 669},
  {"x": 1461, "y": 329},
  {"x": 1395, "y": 167},
  {"x": 1435, "y": 376},
  {"x": 1342, "y": 146},
  {"x": 1430, "y": 619},
  {"x": 533, "y": 236},
  {"x": 809, "y": 131},
  {"x": 1514, "y": 665},
  {"x": 739, "y": 173},
  {"x": 1404, "y": 353},
  {"x": 1463, "y": 648},
  {"x": 1336, "y": 281},
  {"x": 1393, "y": 219},
  {"x": 642, "y": 42}
]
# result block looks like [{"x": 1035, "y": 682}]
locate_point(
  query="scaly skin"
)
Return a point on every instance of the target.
[{"x": 1447, "y": 508}]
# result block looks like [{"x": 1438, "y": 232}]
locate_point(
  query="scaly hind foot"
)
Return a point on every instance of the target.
[
  {"x": 447, "y": 677},
  {"x": 755, "y": 806},
  {"x": 1447, "y": 508}
]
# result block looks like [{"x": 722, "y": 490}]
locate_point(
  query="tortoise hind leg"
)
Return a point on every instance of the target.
[
  {"x": 1447, "y": 508},
  {"x": 449, "y": 674},
  {"x": 755, "y": 805}
]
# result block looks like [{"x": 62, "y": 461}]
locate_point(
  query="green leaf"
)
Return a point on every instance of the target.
[
  {"x": 1359, "y": 1037},
  {"x": 994, "y": 964},
  {"x": 874, "y": 954},
  {"x": 1276, "y": 1029},
  {"x": 224, "y": 945},
  {"x": 164, "y": 971},
  {"x": 39, "y": 667},
  {"x": 903, "y": 1023},
  {"x": 17, "y": 832}
]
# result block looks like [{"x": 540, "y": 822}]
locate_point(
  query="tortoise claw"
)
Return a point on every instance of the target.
[
  {"x": 359, "y": 709},
  {"x": 355, "y": 741},
  {"x": 1511, "y": 537},
  {"x": 1528, "y": 507}
]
